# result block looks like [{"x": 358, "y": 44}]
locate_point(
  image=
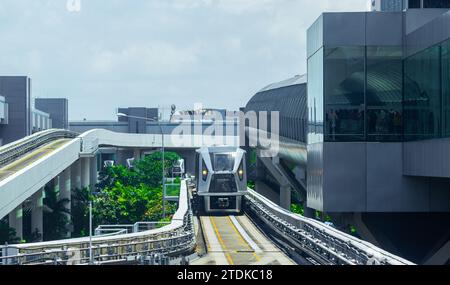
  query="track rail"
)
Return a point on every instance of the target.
[
  {"x": 12, "y": 151},
  {"x": 316, "y": 240},
  {"x": 175, "y": 239}
]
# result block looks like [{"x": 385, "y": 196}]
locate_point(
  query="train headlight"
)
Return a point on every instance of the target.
[
  {"x": 241, "y": 172},
  {"x": 204, "y": 174}
]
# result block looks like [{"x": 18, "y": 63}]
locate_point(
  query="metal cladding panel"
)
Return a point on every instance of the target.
[
  {"x": 431, "y": 33},
  {"x": 344, "y": 29},
  {"x": 15, "y": 89},
  {"x": 289, "y": 99},
  {"x": 315, "y": 172},
  {"x": 439, "y": 195},
  {"x": 387, "y": 189},
  {"x": 315, "y": 37},
  {"x": 57, "y": 108},
  {"x": 430, "y": 158},
  {"x": 344, "y": 177},
  {"x": 416, "y": 18},
  {"x": 384, "y": 29}
]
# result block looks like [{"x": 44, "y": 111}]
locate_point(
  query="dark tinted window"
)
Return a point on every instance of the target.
[
  {"x": 414, "y": 4},
  {"x": 223, "y": 184},
  {"x": 422, "y": 106},
  {"x": 446, "y": 88},
  {"x": 436, "y": 3},
  {"x": 384, "y": 93},
  {"x": 223, "y": 162},
  {"x": 344, "y": 93}
]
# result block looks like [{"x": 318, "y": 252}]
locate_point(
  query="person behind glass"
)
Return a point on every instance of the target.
[
  {"x": 397, "y": 122},
  {"x": 333, "y": 117}
]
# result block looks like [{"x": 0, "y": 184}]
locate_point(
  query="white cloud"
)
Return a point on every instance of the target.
[
  {"x": 153, "y": 58},
  {"x": 157, "y": 52}
]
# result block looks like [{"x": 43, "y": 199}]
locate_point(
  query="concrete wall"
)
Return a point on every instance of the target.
[
  {"x": 427, "y": 158},
  {"x": 136, "y": 125},
  {"x": 16, "y": 90},
  {"x": 368, "y": 177},
  {"x": 57, "y": 108}
]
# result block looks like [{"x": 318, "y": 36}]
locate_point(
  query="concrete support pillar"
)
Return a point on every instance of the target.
[
  {"x": 76, "y": 175},
  {"x": 37, "y": 213},
  {"x": 55, "y": 185},
  {"x": 65, "y": 193},
  {"x": 16, "y": 221},
  {"x": 285, "y": 197},
  {"x": 137, "y": 154},
  {"x": 93, "y": 172},
  {"x": 85, "y": 172}
]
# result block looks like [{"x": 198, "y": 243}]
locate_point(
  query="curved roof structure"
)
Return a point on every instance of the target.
[{"x": 289, "y": 98}]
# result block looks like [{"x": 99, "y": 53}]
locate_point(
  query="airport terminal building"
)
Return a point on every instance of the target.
[{"x": 379, "y": 108}]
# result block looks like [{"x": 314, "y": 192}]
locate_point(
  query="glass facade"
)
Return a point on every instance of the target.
[
  {"x": 355, "y": 94},
  {"x": 422, "y": 99},
  {"x": 414, "y": 4},
  {"x": 436, "y": 3},
  {"x": 315, "y": 97},
  {"x": 344, "y": 93},
  {"x": 445, "y": 51},
  {"x": 427, "y": 93},
  {"x": 384, "y": 93},
  {"x": 391, "y": 5}
]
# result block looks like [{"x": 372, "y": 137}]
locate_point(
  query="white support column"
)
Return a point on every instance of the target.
[
  {"x": 85, "y": 172},
  {"x": 76, "y": 175},
  {"x": 93, "y": 172},
  {"x": 56, "y": 186},
  {"x": 37, "y": 214},
  {"x": 65, "y": 192},
  {"x": 16, "y": 221},
  {"x": 285, "y": 197},
  {"x": 137, "y": 154}
]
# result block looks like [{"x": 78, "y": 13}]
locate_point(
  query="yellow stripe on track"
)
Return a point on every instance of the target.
[
  {"x": 242, "y": 240},
  {"x": 219, "y": 237}
]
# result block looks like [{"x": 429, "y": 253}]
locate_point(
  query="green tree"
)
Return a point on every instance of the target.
[
  {"x": 125, "y": 196},
  {"x": 7, "y": 234},
  {"x": 297, "y": 209},
  {"x": 55, "y": 215},
  {"x": 80, "y": 211},
  {"x": 149, "y": 169},
  {"x": 125, "y": 204}
]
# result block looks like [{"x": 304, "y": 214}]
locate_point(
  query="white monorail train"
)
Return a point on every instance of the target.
[{"x": 221, "y": 179}]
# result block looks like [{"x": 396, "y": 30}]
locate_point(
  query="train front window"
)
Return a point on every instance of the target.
[
  {"x": 223, "y": 183},
  {"x": 223, "y": 162}
]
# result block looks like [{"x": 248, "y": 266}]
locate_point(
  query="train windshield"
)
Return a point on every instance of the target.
[{"x": 223, "y": 162}]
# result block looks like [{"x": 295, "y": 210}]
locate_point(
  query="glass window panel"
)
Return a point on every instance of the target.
[
  {"x": 223, "y": 162},
  {"x": 384, "y": 93},
  {"x": 446, "y": 89},
  {"x": 422, "y": 100},
  {"x": 344, "y": 93},
  {"x": 315, "y": 97},
  {"x": 414, "y": 4},
  {"x": 436, "y": 3}
]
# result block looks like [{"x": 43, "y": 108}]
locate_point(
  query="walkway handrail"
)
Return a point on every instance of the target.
[
  {"x": 176, "y": 238},
  {"x": 330, "y": 245}
]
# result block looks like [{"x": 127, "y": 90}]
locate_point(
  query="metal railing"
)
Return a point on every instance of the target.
[
  {"x": 12, "y": 151},
  {"x": 127, "y": 229},
  {"x": 323, "y": 243},
  {"x": 177, "y": 238}
]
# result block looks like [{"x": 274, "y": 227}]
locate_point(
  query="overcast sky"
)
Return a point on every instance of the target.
[{"x": 156, "y": 52}]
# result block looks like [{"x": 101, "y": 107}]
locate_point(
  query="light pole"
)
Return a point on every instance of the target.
[
  {"x": 91, "y": 258},
  {"x": 163, "y": 155}
]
